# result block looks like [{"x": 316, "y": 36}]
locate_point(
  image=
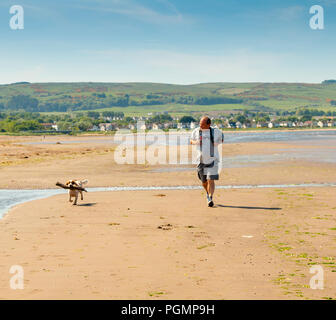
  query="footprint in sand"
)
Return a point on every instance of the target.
[{"x": 166, "y": 227}]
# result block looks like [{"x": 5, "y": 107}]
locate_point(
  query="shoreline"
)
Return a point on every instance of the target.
[
  {"x": 53, "y": 192},
  {"x": 186, "y": 187},
  {"x": 112, "y": 133}
]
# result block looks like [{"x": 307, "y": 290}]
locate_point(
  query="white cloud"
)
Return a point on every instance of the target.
[
  {"x": 32, "y": 74},
  {"x": 287, "y": 14},
  {"x": 184, "y": 68},
  {"x": 290, "y": 13},
  {"x": 328, "y": 2},
  {"x": 167, "y": 66},
  {"x": 167, "y": 14}
]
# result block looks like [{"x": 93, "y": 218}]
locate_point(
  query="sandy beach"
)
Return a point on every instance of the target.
[
  {"x": 155, "y": 152},
  {"x": 255, "y": 243}
]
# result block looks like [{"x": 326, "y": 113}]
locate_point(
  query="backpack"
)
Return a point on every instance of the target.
[{"x": 211, "y": 141}]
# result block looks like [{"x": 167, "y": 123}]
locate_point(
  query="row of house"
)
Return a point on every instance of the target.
[
  {"x": 314, "y": 123},
  {"x": 145, "y": 126},
  {"x": 237, "y": 125},
  {"x": 142, "y": 125},
  {"x": 281, "y": 124}
]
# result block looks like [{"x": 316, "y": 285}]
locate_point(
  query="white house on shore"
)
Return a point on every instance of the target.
[
  {"x": 141, "y": 126},
  {"x": 320, "y": 124},
  {"x": 105, "y": 126},
  {"x": 156, "y": 126},
  {"x": 94, "y": 128},
  {"x": 238, "y": 125}
]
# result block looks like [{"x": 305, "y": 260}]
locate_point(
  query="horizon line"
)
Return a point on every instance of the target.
[{"x": 163, "y": 83}]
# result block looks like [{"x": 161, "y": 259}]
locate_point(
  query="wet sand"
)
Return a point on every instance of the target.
[{"x": 41, "y": 166}]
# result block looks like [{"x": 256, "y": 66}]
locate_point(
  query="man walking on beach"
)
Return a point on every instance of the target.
[{"x": 207, "y": 139}]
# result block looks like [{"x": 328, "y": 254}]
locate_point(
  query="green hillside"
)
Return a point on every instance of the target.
[{"x": 151, "y": 97}]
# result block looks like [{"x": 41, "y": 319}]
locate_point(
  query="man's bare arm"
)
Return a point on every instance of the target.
[{"x": 196, "y": 142}]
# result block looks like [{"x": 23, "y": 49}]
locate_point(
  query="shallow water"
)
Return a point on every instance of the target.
[
  {"x": 322, "y": 155},
  {"x": 10, "y": 198},
  {"x": 230, "y": 137},
  {"x": 285, "y": 136},
  {"x": 322, "y": 138}
]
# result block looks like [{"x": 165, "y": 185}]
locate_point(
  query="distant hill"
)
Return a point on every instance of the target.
[
  {"x": 62, "y": 97},
  {"x": 329, "y": 81},
  {"x": 23, "y": 82}
]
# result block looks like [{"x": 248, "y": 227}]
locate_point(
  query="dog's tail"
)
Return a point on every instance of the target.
[{"x": 85, "y": 181}]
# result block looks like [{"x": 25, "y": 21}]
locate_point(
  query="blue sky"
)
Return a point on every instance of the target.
[{"x": 168, "y": 41}]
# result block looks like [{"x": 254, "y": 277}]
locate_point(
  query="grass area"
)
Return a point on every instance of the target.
[
  {"x": 279, "y": 96},
  {"x": 307, "y": 243},
  {"x": 177, "y": 109}
]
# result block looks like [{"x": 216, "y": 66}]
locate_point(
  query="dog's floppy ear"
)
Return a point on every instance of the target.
[
  {"x": 74, "y": 182},
  {"x": 67, "y": 183}
]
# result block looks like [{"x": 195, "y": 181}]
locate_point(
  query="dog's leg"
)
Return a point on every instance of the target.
[
  {"x": 76, "y": 198},
  {"x": 70, "y": 198},
  {"x": 82, "y": 198}
]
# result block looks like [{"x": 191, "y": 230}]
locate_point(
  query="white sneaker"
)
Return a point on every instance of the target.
[{"x": 210, "y": 202}]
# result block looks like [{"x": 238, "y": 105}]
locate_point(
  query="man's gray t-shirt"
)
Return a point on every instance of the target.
[{"x": 205, "y": 154}]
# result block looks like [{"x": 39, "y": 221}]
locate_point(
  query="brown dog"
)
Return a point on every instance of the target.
[{"x": 73, "y": 193}]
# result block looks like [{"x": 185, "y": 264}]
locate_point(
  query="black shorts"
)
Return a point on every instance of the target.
[{"x": 208, "y": 173}]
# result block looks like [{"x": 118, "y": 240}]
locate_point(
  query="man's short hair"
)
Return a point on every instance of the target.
[{"x": 208, "y": 120}]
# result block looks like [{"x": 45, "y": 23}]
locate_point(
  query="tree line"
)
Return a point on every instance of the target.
[
  {"x": 102, "y": 101},
  {"x": 33, "y": 121}
]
